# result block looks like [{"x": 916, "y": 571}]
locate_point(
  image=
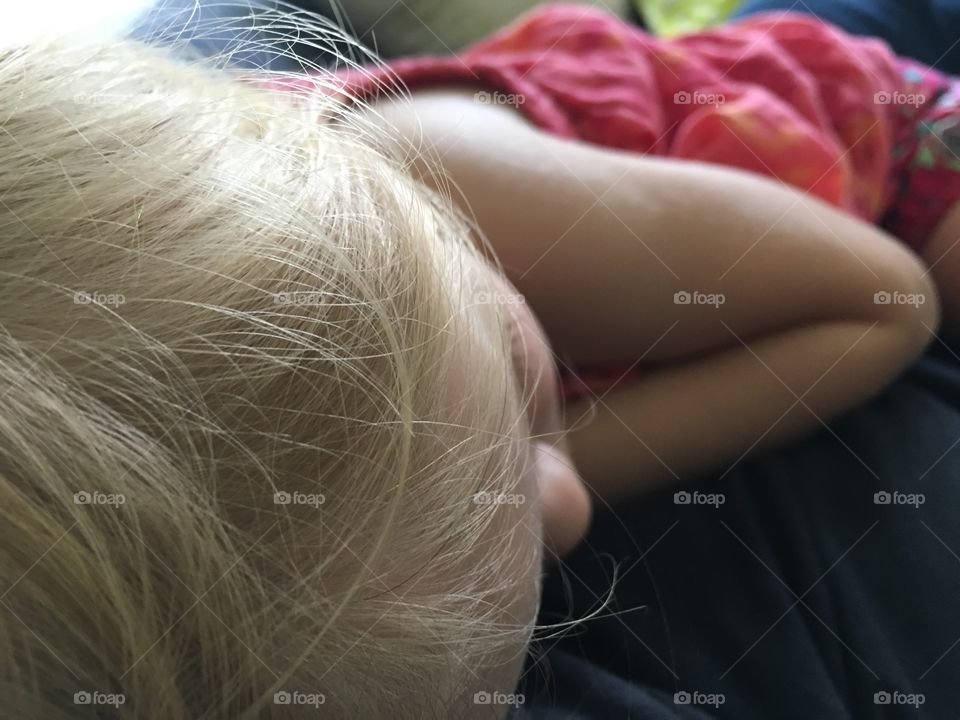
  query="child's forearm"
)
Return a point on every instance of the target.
[
  {"x": 706, "y": 414},
  {"x": 601, "y": 243}
]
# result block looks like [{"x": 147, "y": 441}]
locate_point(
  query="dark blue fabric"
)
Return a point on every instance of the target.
[
  {"x": 579, "y": 690},
  {"x": 926, "y": 30},
  {"x": 799, "y": 597}
]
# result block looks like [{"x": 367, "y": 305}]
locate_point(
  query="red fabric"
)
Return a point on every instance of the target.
[{"x": 795, "y": 98}]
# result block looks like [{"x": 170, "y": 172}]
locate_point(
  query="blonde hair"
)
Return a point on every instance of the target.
[{"x": 247, "y": 399}]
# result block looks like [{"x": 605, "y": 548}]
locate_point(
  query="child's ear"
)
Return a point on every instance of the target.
[{"x": 564, "y": 500}]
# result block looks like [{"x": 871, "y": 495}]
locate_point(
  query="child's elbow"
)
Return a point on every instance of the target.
[{"x": 909, "y": 307}]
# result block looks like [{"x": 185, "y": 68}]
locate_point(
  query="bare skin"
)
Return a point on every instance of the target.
[{"x": 600, "y": 243}]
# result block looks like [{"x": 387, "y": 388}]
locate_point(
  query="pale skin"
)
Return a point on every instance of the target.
[{"x": 599, "y": 243}]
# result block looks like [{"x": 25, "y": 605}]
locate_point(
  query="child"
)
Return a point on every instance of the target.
[{"x": 280, "y": 438}]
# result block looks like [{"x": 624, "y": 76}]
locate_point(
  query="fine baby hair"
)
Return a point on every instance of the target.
[{"x": 248, "y": 399}]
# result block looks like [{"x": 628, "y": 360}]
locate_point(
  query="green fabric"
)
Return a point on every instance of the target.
[{"x": 675, "y": 17}]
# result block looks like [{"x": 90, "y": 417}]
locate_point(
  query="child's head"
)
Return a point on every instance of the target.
[{"x": 261, "y": 431}]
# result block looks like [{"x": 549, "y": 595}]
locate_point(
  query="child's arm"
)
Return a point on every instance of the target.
[{"x": 600, "y": 242}]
